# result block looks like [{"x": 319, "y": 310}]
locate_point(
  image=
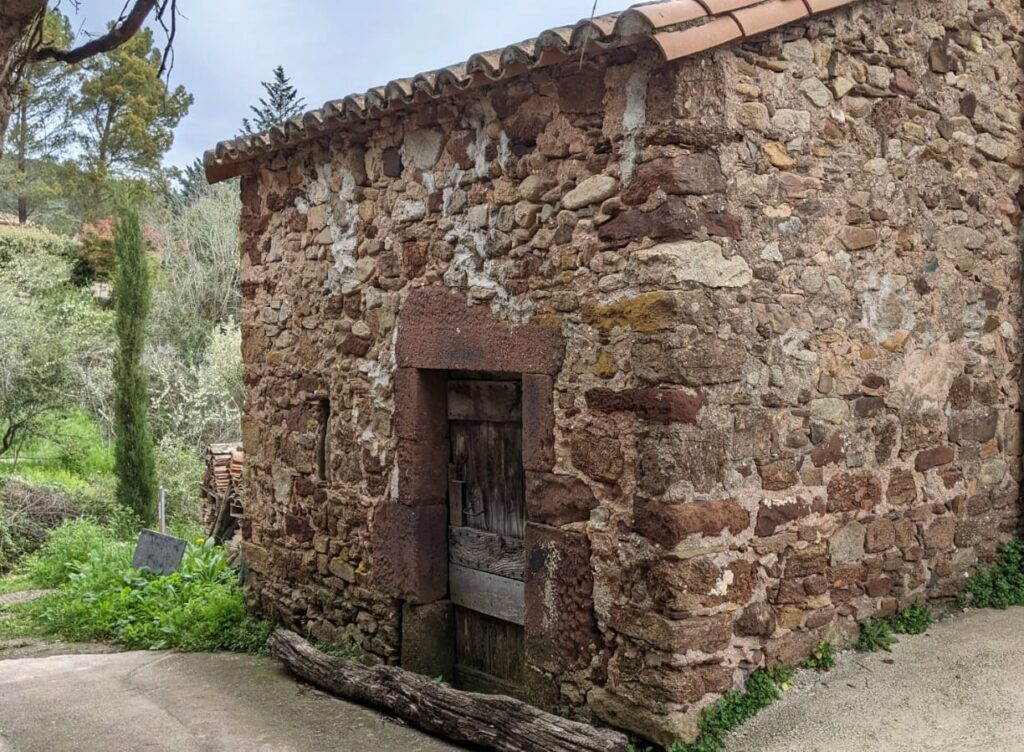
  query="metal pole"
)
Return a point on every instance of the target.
[{"x": 162, "y": 513}]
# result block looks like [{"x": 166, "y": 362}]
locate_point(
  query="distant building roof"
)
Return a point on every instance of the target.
[{"x": 679, "y": 28}]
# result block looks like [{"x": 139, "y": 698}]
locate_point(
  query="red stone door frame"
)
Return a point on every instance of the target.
[{"x": 438, "y": 333}]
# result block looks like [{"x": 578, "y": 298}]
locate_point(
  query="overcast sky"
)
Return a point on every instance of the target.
[{"x": 329, "y": 48}]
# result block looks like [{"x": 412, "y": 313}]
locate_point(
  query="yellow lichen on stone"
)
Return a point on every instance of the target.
[{"x": 650, "y": 312}]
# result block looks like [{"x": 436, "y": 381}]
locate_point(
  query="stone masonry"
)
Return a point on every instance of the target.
[{"x": 776, "y": 291}]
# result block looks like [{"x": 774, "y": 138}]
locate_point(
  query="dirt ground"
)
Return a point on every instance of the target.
[
  {"x": 156, "y": 701},
  {"x": 959, "y": 687}
]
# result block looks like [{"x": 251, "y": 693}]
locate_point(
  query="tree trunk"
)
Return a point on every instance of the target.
[
  {"x": 23, "y": 158},
  {"x": 16, "y": 17},
  {"x": 491, "y": 722}
]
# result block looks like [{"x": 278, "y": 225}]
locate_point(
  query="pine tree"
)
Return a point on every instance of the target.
[
  {"x": 134, "y": 455},
  {"x": 281, "y": 103}
]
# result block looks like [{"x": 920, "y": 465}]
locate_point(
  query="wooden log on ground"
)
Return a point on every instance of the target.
[{"x": 491, "y": 722}]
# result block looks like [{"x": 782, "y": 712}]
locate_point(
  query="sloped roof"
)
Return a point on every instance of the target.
[{"x": 680, "y": 28}]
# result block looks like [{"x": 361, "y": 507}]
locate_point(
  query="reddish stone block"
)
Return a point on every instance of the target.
[
  {"x": 790, "y": 649},
  {"x": 778, "y": 475},
  {"x": 850, "y": 491},
  {"x": 561, "y": 629},
  {"x": 930, "y": 458},
  {"x": 669, "y": 524},
  {"x": 771, "y": 518},
  {"x": 600, "y": 457},
  {"x": 557, "y": 499},
  {"x": 656, "y": 405},
  {"x": 831, "y": 451},
  {"x": 707, "y": 634},
  {"x": 437, "y": 330},
  {"x": 538, "y": 422},
  {"x": 421, "y": 404},
  {"x": 756, "y": 619},
  {"x": 879, "y": 587},
  {"x": 422, "y": 472},
  {"x": 410, "y": 551},
  {"x": 880, "y": 535},
  {"x": 902, "y": 490},
  {"x": 298, "y": 528},
  {"x": 686, "y": 174},
  {"x": 807, "y": 561}
]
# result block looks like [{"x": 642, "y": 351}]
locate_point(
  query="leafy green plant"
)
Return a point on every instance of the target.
[
  {"x": 67, "y": 548},
  {"x": 821, "y": 658},
  {"x": 734, "y": 709},
  {"x": 914, "y": 619},
  {"x": 874, "y": 636},
  {"x": 1000, "y": 585},
  {"x": 200, "y": 607}
]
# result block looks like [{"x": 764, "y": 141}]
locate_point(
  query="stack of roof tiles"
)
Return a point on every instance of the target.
[{"x": 679, "y": 28}]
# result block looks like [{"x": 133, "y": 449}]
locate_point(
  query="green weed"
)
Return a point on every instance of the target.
[
  {"x": 1000, "y": 585},
  {"x": 821, "y": 658},
  {"x": 349, "y": 649},
  {"x": 874, "y": 636},
  {"x": 912, "y": 620}
]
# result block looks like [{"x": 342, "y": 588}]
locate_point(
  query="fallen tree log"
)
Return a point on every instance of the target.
[{"x": 489, "y": 721}]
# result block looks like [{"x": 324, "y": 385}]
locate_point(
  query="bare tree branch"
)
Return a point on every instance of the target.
[{"x": 122, "y": 30}]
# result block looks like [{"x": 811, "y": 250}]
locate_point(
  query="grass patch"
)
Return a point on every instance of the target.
[
  {"x": 912, "y": 620},
  {"x": 1000, "y": 585},
  {"x": 102, "y": 597}
]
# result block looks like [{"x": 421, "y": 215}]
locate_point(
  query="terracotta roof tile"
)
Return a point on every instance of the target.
[
  {"x": 686, "y": 42},
  {"x": 770, "y": 15},
  {"x": 679, "y": 27}
]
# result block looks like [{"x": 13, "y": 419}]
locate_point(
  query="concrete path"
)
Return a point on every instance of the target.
[
  {"x": 959, "y": 687},
  {"x": 156, "y": 701}
]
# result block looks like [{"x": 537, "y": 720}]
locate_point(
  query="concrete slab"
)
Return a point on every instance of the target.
[
  {"x": 958, "y": 687},
  {"x": 158, "y": 701}
]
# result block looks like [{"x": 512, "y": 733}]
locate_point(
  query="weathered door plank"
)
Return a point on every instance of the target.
[
  {"x": 487, "y": 552},
  {"x": 500, "y": 597}
]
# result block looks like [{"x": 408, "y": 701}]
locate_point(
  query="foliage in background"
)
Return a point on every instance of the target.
[
  {"x": 198, "y": 287},
  {"x": 40, "y": 127},
  {"x": 912, "y": 620},
  {"x": 199, "y": 608},
  {"x": 127, "y": 112},
  {"x": 34, "y": 373},
  {"x": 134, "y": 456},
  {"x": 874, "y": 636},
  {"x": 281, "y": 103},
  {"x": 1000, "y": 585},
  {"x": 27, "y": 514}
]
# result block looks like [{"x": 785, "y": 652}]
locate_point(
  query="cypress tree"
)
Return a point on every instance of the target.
[{"x": 133, "y": 454}]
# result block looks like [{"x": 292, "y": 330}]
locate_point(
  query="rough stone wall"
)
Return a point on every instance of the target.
[{"x": 787, "y": 276}]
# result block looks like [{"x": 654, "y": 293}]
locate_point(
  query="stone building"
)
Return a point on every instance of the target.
[{"x": 608, "y": 367}]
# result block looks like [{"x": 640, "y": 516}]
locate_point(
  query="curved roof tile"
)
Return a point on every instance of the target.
[{"x": 679, "y": 28}]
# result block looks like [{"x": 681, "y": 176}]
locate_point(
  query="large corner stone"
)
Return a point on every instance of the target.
[
  {"x": 538, "y": 422},
  {"x": 561, "y": 629},
  {"x": 661, "y": 728},
  {"x": 428, "y": 643},
  {"x": 410, "y": 551}
]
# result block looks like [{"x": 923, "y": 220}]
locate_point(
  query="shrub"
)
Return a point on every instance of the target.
[
  {"x": 1001, "y": 584},
  {"x": 21, "y": 241},
  {"x": 198, "y": 608},
  {"x": 912, "y": 620},
  {"x": 874, "y": 636},
  {"x": 27, "y": 514}
]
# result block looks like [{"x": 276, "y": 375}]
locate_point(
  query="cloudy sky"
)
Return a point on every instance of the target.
[{"x": 329, "y": 48}]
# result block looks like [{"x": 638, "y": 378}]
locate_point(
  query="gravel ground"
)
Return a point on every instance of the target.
[{"x": 958, "y": 687}]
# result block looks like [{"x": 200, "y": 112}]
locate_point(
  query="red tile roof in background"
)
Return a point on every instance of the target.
[{"x": 680, "y": 28}]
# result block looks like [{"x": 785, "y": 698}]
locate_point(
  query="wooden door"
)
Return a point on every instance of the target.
[{"x": 485, "y": 534}]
